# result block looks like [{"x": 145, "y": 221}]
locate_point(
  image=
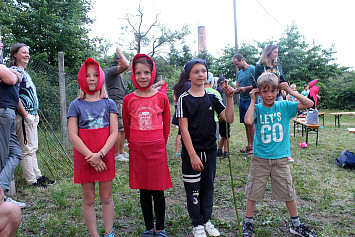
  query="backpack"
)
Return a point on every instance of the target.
[{"x": 346, "y": 160}]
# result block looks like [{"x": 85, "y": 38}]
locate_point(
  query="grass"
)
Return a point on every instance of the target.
[{"x": 325, "y": 192}]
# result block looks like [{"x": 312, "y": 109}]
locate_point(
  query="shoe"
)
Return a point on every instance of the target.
[
  {"x": 290, "y": 159},
  {"x": 248, "y": 229},
  {"x": 245, "y": 150},
  {"x": 161, "y": 233},
  {"x": 111, "y": 234},
  {"x": 126, "y": 144},
  {"x": 219, "y": 153},
  {"x": 199, "y": 231},
  {"x": 120, "y": 157},
  {"x": 177, "y": 154},
  {"x": 302, "y": 230},
  {"x": 125, "y": 154},
  {"x": 38, "y": 185},
  {"x": 211, "y": 230},
  {"x": 20, "y": 204},
  {"x": 225, "y": 155},
  {"x": 148, "y": 233},
  {"x": 45, "y": 180}
]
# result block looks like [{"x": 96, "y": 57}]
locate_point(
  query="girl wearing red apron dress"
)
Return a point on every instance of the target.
[
  {"x": 146, "y": 120},
  {"x": 93, "y": 130}
]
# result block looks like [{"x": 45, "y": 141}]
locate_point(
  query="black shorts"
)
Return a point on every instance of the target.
[{"x": 222, "y": 129}]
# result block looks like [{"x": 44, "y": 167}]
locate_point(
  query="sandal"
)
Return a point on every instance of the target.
[
  {"x": 251, "y": 153},
  {"x": 245, "y": 150}
]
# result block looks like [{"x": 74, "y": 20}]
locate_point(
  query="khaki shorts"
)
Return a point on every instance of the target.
[
  {"x": 281, "y": 180},
  {"x": 119, "y": 116}
]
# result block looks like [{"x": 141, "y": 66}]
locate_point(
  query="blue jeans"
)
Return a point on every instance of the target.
[{"x": 10, "y": 151}]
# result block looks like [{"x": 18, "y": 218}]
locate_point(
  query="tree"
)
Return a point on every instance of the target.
[
  {"x": 154, "y": 36},
  {"x": 224, "y": 64},
  {"x": 47, "y": 27}
]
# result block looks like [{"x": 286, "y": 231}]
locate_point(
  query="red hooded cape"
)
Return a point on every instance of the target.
[
  {"x": 82, "y": 77},
  {"x": 154, "y": 72}
]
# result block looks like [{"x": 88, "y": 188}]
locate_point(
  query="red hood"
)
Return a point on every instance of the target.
[
  {"x": 312, "y": 83},
  {"x": 82, "y": 77},
  {"x": 314, "y": 91},
  {"x": 154, "y": 72}
]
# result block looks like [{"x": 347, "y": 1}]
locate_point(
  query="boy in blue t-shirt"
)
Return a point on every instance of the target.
[{"x": 271, "y": 149}]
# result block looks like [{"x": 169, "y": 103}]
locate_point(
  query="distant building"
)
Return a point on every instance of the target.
[{"x": 202, "y": 46}]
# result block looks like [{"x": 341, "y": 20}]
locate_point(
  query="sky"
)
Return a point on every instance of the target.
[{"x": 325, "y": 23}]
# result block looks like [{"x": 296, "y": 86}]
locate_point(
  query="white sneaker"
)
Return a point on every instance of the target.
[
  {"x": 290, "y": 159},
  {"x": 120, "y": 157},
  {"x": 20, "y": 204},
  {"x": 199, "y": 231},
  {"x": 126, "y": 144},
  {"x": 125, "y": 154},
  {"x": 210, "y": 229}
]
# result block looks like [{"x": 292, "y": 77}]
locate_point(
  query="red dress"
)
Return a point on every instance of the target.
[{"x": 146, "y": 123}]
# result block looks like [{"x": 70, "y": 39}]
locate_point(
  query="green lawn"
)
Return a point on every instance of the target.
[{"x": 325, "y": 192}]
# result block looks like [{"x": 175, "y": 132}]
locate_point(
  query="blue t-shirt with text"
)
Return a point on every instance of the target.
[{"x": 272, "y": 135}]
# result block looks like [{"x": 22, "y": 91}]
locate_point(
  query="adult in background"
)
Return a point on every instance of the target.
[
  {"x": 116, "y": 90},
  {"x": 245, "y": 79},
  {"x": 10, "y": 217},
  {"x": 269, "y": 63},
  {"x": 10, "y": 151},
  {"x": 27, "y": 119},
  {"x": 180, "y": 87}
]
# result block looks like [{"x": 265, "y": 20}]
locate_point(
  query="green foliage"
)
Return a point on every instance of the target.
[
  {"x": 47, "y": 27},
  {"x": 341, "y": 92}
]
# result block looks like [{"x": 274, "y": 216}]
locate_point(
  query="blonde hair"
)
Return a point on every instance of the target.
[
  {"x": 268, "y": 79},
  {"x": 103, "y": 94},
  {"x": 293, "y": 86},
  {"x": 265, "y": 56}
]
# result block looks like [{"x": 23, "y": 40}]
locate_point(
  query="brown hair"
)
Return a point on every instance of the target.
[
  {"x": 14, "y": 49},
  {"x": 265, "y": 56},
  {"x": 144, "y": 61},
  {"x": 268, "y": 79}
]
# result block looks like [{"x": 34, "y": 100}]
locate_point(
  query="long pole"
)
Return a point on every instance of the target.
[
  {"x": 63, "y": 109},
  {"x": 228, "y": 142},
  {"x": 235, "y": 26}
]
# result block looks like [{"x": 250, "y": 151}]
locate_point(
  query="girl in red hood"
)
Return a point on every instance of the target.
[
  {"x": 93, "y": 130},
  {"x": 146, "y": 121}
]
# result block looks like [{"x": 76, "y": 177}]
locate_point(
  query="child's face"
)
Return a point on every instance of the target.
[
  {"x": 143, "y": 75},
  {"x": 294, "y": 88},
  {"x": 268, "y": 94},
  {"x": 198, "y": 74},
  {"x": 92, "y": 76}
]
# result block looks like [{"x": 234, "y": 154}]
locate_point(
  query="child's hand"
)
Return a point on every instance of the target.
[
  {"x": 196, "y": 163},
  {"x": 227, "y": 89},
  {"x": 284, "y": 86},
  {"x": 254, "y": 93},
  {"x": 93, "y": 159},
  {"x": 100, "y": 167}
]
